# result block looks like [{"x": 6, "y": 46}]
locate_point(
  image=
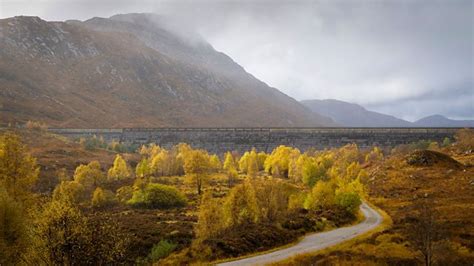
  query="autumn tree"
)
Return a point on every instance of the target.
[
  {"x": 102, "y": 198},
  {"x": 66, "y": 237},
  {"x": 119, "y": 170},
  {"x": 18, "y": 169},
  {"x": 160, "y": 163},
  {"x": 215, "y": 163},
  {"x": 321, "y": 196},
  {"x": 277, "y": 163},
  {"x": 71, "y": 192},
  {"x": 229, "y": 167},
  {"x": 272, "y": 199},
  {"x": 150, "y": 150},
  {"x": 252, "y": 163},
  {"x": 197, "y": 167},
  {"x": 18, "y": 173},
  {"x": 294, "y": 171},
  {"x": 243, "y": 162},
  {"x": 210, "y": 217},
  {"x": 312, "y": 172},
  {"x": 14, "y": 227},
  {"x": 143, "y": 169},
  {"x": 90, "y": 175},
  {"x": 62, "y": 231},
  {"x": 240, "y": 206}
]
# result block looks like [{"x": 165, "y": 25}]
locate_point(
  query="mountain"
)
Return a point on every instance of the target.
[
  {"x": 442, "y": 121},
  {"x": 132, "y": 70},
  {"x": 353, "y": 115}
]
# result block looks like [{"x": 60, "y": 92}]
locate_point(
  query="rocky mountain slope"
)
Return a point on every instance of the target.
[
  {"x": 130, "y": 71},
  {"x": 353, "y": 115}
]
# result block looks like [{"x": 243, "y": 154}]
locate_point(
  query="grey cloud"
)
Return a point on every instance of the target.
[{"x": 389, "y": 55}]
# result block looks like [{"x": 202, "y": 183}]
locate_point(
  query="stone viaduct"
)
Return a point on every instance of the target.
[{"x": 218, "y": 140}]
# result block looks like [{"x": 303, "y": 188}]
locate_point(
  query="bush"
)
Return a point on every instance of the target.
[
  {"x": 161, "y": 250},
  {"x": 36, "y": 125},
  {"x": 350, "y": 201},
  {"x": 158, "y": 196},
  {"x": 465, "y": 140},
  {"x": 124, "y": 193},
  {"x": 102, "y": 198},
  {"x": 70, "y": 191},
  {"x": 92, "y": 143}
]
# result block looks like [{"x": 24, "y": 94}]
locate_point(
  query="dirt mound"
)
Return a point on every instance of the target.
[{"x": 431, "y": 158}]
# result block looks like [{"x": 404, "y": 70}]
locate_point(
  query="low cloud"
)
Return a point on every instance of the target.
[{"x": 406, "y": 58}]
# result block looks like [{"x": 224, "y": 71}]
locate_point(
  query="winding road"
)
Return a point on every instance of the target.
[{"x": 317, "y": 241}]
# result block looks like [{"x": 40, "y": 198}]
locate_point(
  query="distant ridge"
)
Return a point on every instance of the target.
[
  {"x": 353, "y": 115},
  {"x": 442, "y": 121}
]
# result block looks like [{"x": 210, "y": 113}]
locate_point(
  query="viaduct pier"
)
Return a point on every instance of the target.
[{"x": 218, "y": 140}]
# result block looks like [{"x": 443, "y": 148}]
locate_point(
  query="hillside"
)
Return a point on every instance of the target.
[
  {"x": 441, "y": 121},
  {"x": 130, "y": 71},
  {"x": 353, "y": 115}
]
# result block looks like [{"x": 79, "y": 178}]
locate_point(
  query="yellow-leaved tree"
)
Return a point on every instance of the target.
[
  {"x": 277, "y": 163},
  {"x": 18, "y": 169},
  {"x": 229, "y": 167},
  {"x": 210, "y": 217},
  {"x": 18, "y": 173},
  {"x": 119, "y": 170},
  {"x": 240, "y": 206},
  {"x": 196, "y": 167},
  {"x": 321, "y": 196},
  {"x": 252, "y": 163},
  {"x": 215, "y": 162},
  {"x": 90, "y": 175},
  {"x": 143, "y": 169},
  {"x": 160, "y": 163}
]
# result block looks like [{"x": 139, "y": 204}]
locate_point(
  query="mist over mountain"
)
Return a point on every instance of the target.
[
  {"x": 442, "y": 121},
  {"x": 354, "y": 115},
  {"x": 130, "y": 70}
]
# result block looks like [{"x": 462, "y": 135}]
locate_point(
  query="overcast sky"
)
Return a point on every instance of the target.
[{"x": 406, "y": 58}]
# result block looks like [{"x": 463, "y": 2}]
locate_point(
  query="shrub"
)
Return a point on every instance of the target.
[
  {"x": 446, "y": 142},
  {"x": 350, "y": 201},
  {"x": 70, "y": 191},
  {"x": 90, "y": 175},
  {"x": 465, "y": 139},
  {"x": 124, "y": 193},
  {"x": 102, "y": 198},
  {"x": 161, "y": 250},
  {"x": 158, "y": 196},
  {"x": 36, "y": 125},
  {"x": 92, "y": 143},
  {"x": 420, "y": 145}
]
